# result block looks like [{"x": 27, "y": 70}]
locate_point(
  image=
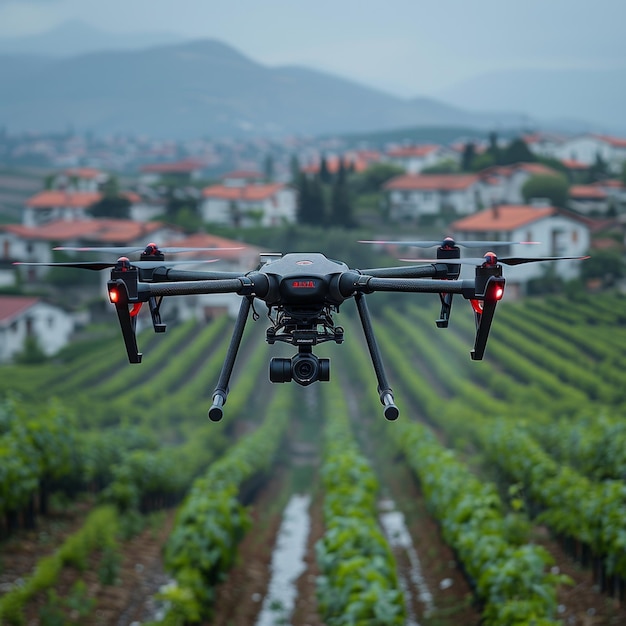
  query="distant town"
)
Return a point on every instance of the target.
[{"x": 73, "y": 190}]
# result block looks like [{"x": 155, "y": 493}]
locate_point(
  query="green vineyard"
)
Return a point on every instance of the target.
[{"x": 121, "y": 503}]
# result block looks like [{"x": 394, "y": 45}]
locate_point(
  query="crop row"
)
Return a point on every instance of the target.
[
  {"x": 510, "y": 577},
  {"x": 97, "y": 533},
  {"x": 358, "y": 581},
  {"x": 571, "y": 504},
  {"x": 212, "y": 519}
]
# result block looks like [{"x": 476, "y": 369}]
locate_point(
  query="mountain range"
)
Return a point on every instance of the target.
[{"x": 164, "y": 87}]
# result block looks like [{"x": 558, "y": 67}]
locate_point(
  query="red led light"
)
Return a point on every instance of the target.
[
  {"x": 114, "y": 295},
  {"x": 498, "y": 293}
]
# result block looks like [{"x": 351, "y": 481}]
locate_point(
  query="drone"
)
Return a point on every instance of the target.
[{"x": 302, "y": 292}]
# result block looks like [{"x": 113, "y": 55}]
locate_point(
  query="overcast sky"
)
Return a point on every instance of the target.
[{"x": 407, "y": 47}]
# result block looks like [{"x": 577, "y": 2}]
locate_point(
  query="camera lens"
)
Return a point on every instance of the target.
[{"x": 304, "y": 368}]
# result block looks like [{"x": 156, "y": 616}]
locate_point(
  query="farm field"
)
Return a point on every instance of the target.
[{"x": 497, "y": 497}]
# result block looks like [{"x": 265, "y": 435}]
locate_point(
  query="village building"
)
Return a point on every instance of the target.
[
  {"x": 22, "y": 317},
  {"x": 413, "y": 196},
  {"x": 249, "y": 205},
  {"x": 588, "y": 148},
  {"x": 226, "y": 255},
  {"x": 589, "y": 200},
  {"x": 35, "y": 244},
  {"x": 503, "y": 184},
  {"x": 414, "y": 159},
  {"x": 555, "y": 232}
]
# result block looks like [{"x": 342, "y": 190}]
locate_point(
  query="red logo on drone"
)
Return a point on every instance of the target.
[{"x": 303, "y": 284}]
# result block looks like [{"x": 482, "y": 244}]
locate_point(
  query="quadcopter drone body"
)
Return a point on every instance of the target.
[{"x": 302, "y": 292}]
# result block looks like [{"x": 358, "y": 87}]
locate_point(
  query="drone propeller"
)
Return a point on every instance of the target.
[
  {"x": 151, "y": 249},
  {"x": 122, "y": 262},
  {"x": 449, "y": 242},
  {"x": 491, "y": 259}
]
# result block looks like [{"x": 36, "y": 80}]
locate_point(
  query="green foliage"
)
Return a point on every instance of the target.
[
  {"x": 32, "y": 353},
  {"x": 374, "y": 177},
  {"x": 554, "y": 187}
]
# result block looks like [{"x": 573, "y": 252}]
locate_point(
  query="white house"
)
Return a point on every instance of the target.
[
  {"x": 86, "y": 179},
  {"x": 557, "y": 234},
  {"x": 411, "y": 196},
  {"x": 416, "y": 158},
  {"x": 22, "y": 317},
  {"x": 34, "y": 244},
  {"x": 503, "y": 184},
  {"x": 230, "y": 256},
  {"x": 249, "y": 205},
  {"x": 58, "y": 204},
  {"x": 589, "y": 200},
  {"x": 586, "y": 149}
]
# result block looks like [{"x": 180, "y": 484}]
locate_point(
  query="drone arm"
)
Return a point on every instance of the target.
[
  {"x": 165, "y": 274},
  {"x": 386, "y": 395},
  {"x": 369, "y": 284},
  {"x": 221, "y": 391},
  {"x": 434, "y": 270}
]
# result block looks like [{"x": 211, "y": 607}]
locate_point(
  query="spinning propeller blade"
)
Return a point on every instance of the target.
[
  {"x": 102, "y": 265},
  {"x": 449, "y": 242},
  {"x": 491, "y": 259},
  {"x": 149, "y": 249}
]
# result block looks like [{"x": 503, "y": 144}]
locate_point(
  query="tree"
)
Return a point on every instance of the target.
[
  {"x": 32, "y": 353},
  {"x": 494, "y": 148},
  {"x": 268, "y": 168},
  {"x": 340, "y": 204},
  {"x": 599, "y": 170},
  {"x": 113, "y": 204},
  {"x": 294, "y": 169},
  {"x": 325, "y": 176},
  {"x": 375, "y": 176},
  {"x": 517, "y": 152},
  {"x": 306, "y": 211},
  {"x": 554, "y": 187},
  {"x": 318, "y": 201},
  {"x": 468, "y": 156}
]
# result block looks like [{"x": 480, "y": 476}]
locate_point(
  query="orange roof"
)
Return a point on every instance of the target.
[
  {"x": 616, "y": 142},
  {"x": 83, "y": 172},
  {"x": 12, "y": 306},
  {"x": 60, "y": 198},
  {"x": 177, "y": 167},
  {"x": 447, "y": 182},
  {"x": 534, "y": 168},
  {"x": 103, "y": 230},
  {"x": 206, "y": 240},
  {"x": 612, "y": 183},
  {"x": 249, "y": 193},
  {"x": 573, "y": 164},
  {"x": 412, "y": 151},
  {"x": 502, "y": 218},
  {"x": 243, "y": 174},
  {"x": 586, "y": 192}
]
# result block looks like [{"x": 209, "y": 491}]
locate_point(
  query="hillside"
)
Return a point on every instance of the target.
[{"x": 204, "y": 87}]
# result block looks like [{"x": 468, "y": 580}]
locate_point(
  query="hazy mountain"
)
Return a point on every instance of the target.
[
  {"x": 208, "y": 88},
  {"x": 75, "y": 37},
  {"x": 578, "y": 98}
]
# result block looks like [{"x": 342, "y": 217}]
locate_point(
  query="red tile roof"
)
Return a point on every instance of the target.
[
  {"x": 60, "y": 198},
  {"x": 243, "y": 174},
  {"x": 249, "y": 193},
  {"x": 572, "y": 164},
  {"x": 503, "y": 218},
  {"x": 431, "y": 182},
  {"x": 616, "y": 142},
  {"x": 12, "y": 306},
  {"x": 207, "y": 240},
  {"x": 586, "y": 192},
  {"x": 186, "y": 166},
  {"x": 83, "y": 172},
  {"x": 412, "y": 151},
  {"x": 103, "y": 230}
]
